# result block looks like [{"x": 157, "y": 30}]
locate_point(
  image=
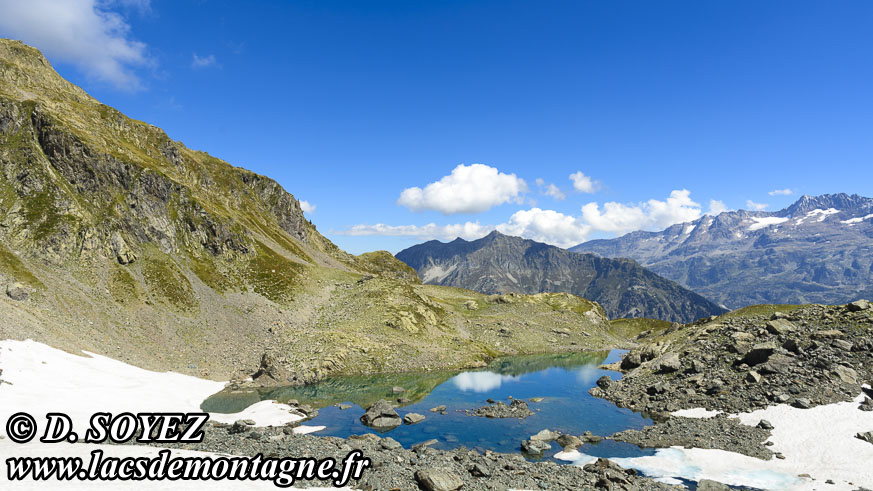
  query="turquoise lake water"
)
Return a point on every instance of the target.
[{"x": 561, "y": 380}]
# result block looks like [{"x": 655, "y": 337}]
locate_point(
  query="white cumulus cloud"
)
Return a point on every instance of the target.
[
  {"x": 583, "y": 183},
  {"x": 306, "y": 206},
  {"x": 756, "y": 206},
  {"x": 203, "y": 61},
  {"x": 716, "y": 207},
  {"x": 85, "y": 33},
  {"x": 560, "y": 229},
  {"x": 550, "y": 190},
  {"x": 468, "y": 189},
  {"x": 547, "y": 226},
  {"x": 651, "y": 215},
  {"x": 781, "y": 192}
]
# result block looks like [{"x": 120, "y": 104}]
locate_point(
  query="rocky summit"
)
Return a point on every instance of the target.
[
  {"x": 117, "y": 239},
  {"x": 818, "y": 250},
  {"x": 499, "y": 263}
]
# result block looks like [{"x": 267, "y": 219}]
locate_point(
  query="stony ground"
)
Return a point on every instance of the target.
[
  {"x": 739, "y": 362},
  {"x": 421, "y": 467}
]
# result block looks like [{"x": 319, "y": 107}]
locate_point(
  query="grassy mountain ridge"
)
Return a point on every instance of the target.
[{"x": 128, "y": 243}]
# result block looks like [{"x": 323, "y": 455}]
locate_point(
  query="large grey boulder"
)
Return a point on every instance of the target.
[
  {"x": 858, "y": 305},
  {"x": 780, "y": 326},
  {"x": 438, "y": 480},
  {"x": 381, "y": 415},
  {"x": 669, "y": 363}
]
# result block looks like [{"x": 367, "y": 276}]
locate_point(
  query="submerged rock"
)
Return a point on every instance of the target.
[{"x": 518, "y": 409}]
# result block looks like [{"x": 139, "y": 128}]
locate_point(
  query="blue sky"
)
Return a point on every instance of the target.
[{"x": 404, "y": 121}]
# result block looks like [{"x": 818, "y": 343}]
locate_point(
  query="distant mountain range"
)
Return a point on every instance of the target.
[
  {"x": 818, "y": 250},
  {"x": 499, "y": 263}
]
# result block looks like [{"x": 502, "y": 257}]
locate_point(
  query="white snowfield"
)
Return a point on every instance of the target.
[
  {"x": 764, "y": 222},
  {"x": 38, "y": 379},
  {"x": 818, "y": 444}
]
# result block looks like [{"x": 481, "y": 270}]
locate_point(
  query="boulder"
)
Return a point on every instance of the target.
[
  {"x": 438, "y": 480},
  {"x": 776, "y": 364},
  {"x": 569, "y": 442},
  {"x": 780, "y": 326},
  {"x": 381, "y": 415},
  {"x": 413, "y": 418},
  {"x": 858, "y": 306},
  {"x": 471, "y": 305},
  {"x": 17, "y": 292},
  {"x": 866, "y": 436},
  {"x": 765, "y": 425},
  {"x": 708, "y": 485},
  {"x": 802, "y": 403},
  {"x": 846, "y": 374},
  {"x": 546, "y": 435},
  {"x": 478, "y": 470},
  {"x": 759, "y": 353},
  {"x": 389, "y": 443},
  {"x": 631, "y": 361},
  {"x": 534, "y": 447},
  {"x": 669, "y": 363},
  {"x": 603, "y": 382},
  {"x": 753, "y": 377}
]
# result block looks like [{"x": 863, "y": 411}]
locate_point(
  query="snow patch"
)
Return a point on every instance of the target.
[
  {"x": 43, "y": 379},
  {"x": 819, "y": 442},
  {"x": 688, "y": 229},
  {"x": 764, "y": 222},
  {"x": 697, "y": 412},
  {"x": 855, "y": 220}
]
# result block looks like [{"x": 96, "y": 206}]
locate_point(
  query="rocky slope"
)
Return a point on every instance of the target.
[
  {"x": 500, "y": 263},
  {"x": 751, "y": 358},
  {"x": 818, "y": 250},
  {"x": 116, "y": 239}
]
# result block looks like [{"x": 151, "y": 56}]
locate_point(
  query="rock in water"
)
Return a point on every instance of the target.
[
  {"x": 569, "y": 442},
  {"x": 534, "y": 447},
  {"x": 438, "y": 480},
  {"x": 413, "y": 418},
  {"x": 17, "y": 291},
  {"x": 381, "y": 415},
  {"x": 546, "y": 435}
]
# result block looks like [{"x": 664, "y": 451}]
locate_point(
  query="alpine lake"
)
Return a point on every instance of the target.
[{"x": 554, "y": 386}]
